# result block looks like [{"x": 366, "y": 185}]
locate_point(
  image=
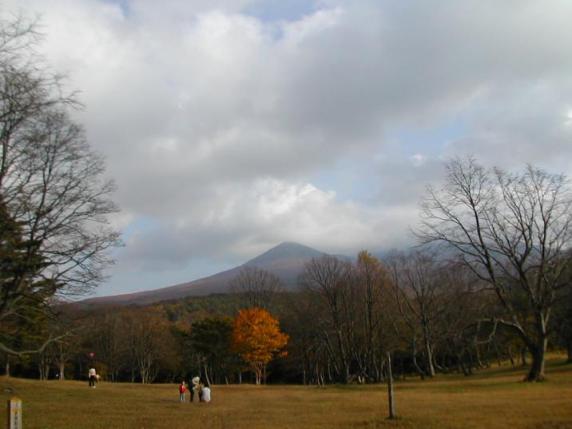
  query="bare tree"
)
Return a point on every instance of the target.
[
  {"x": 257, "y": 286},
  {"x": 110, "y": 341},
  {"x": 51, "y": 184},
  {"x": 372, "y": 292},
  {"x": 418, "y": 284},
  {"x": 511, "y": 230},
  {"x": 330, "y": 279}
]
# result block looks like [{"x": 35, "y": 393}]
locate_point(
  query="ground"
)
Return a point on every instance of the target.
[{"x": 495, "y": 398}]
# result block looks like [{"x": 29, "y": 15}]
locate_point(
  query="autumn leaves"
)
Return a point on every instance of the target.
[{"x": 257, "y": 339}]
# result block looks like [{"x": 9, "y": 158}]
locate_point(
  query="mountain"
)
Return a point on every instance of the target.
[{"x": 285, "y": 261}]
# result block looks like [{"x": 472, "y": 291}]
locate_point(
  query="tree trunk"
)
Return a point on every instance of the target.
[
  {"x": 461, "y": 365},
  {"x": 62, "y": 369},
  {"x": 7, "y": 366},
  {"x": 478, "y": 355},
  {"x": 390, "y": 388},
  {"x": 523, "y": 356},
  {"x": 414, "y": 359},
  {"x": 538, "y": 352},
  {"x": 429, "y": 356},
  {"x": 207, "y": 374},
  {"x": 509, "y": 351}
]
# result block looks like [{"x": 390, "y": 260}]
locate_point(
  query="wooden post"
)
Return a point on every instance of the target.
[
  {"x": 14, "y": 413},
  {"x": 390, "y": 388}
]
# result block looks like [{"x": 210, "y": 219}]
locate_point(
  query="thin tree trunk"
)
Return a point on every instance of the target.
[
  {"x": 512, "y": 363},
  {"x": 461, "y": 364},
  {"x": 429, "y": 356},
  {"x": 497, "y": 353},
  {"x": 523, "y": 356},
  {"x": 478, "y": 355},
  {"x": 414, "y": 359},
  {"x": 390, "y": 388},
  {"x": 207, "y": 374}
]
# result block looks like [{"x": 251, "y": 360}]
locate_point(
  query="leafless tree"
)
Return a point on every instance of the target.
[
  {"x": 512, "y": 231},
  {"x": 418, "y": 290},
  {"x": 330, "y": 278},
  {"x": 257, "y": 286},
  {"x": 51, "y": 182},
  {"x": 373, "y": 292}
]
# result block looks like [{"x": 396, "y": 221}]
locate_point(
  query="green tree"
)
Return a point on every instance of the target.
[
  {"x": 22, "y": 293},
  {"x": 211, "y": 339}
]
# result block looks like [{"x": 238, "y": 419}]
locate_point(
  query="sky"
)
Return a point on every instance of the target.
[{"x": 230, "y": 126}]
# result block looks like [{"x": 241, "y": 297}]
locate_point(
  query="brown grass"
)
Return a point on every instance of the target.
[{"x": 491, "y": 399}]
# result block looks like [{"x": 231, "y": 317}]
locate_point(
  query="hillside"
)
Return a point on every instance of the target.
[{"x": 285, "y": 261}]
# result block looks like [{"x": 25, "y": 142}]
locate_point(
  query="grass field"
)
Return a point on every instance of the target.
[{"x": 491, "y": 399}]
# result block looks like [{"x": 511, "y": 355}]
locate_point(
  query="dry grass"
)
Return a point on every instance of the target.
[{"x": 492, "y": 399}]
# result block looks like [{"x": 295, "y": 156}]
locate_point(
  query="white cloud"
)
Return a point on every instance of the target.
[{"x": 215, "y": 123}]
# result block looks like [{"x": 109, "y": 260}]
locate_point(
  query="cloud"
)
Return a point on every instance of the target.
[
  {"x": 246, "y": 221},
  {"x": 218, "y": 117}
]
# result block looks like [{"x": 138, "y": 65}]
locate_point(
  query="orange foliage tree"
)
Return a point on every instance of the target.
[{"x": 257, "y": 339}]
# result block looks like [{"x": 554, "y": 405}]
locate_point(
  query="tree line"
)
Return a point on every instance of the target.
[{"x": 429, "y": 311}]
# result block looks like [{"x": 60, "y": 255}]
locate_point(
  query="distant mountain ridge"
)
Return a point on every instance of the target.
[{"x": 285, "y": 260}]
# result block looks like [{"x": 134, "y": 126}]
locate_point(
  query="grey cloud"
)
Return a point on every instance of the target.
[{"x": 195, "y": 103}]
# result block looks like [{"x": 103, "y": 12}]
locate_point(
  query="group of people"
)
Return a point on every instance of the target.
[
  {"x": 202, "y": 390},
  {"x": 198, "y": 388}
]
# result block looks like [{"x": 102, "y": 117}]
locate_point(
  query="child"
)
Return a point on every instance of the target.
[{"x": 182, "y": 390}]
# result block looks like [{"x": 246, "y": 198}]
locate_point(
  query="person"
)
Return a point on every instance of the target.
[
  {"x": 92, "y": 375},
  {"x": 201, "y": 387},
  {"x": 206, "y": 393},
  {"x": 182, "y": 390},
  {"x": 195, "y": 389}
]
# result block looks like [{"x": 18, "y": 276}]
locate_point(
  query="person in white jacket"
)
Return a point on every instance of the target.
[
  {"x": 194, "y": 389},
  {"x": 206, "y": 396},
  {"x": 92, "y": 375}
]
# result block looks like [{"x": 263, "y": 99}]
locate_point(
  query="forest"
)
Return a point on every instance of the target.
[{"x": 432, "y": 314}]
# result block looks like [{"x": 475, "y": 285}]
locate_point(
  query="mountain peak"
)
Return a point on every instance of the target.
[
  {"x": 285, "y": 250},
  {"x": 285, "y": 260}
]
